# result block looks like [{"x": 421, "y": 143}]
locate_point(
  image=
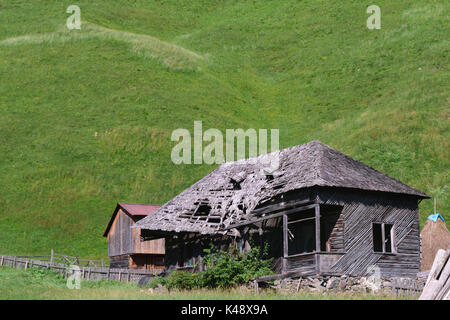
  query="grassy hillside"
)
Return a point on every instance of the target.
[{"x": 139, "y": 69}]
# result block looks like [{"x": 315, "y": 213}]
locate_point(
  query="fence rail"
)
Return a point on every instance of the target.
[
  {"x": 87, "y": 273},
  {"x": 62, "y": 258},
  {"x": 406, "y": 286}
]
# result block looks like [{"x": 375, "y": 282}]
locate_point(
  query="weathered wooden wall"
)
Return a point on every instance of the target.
[
  {"x": 147, "y": 261},
  {"x": 123, "y": 240},
  {"x": 121, "y": 261},
  {"x": 149, "y": 246},
  {"x": 304, "y": 264},
  {"x": 360, "y": 210},
  {"x": 347, "y": 248},
  {"x": 120, "y": 240}
]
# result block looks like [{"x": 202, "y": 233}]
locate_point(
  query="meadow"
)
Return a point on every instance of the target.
[
  {"x": 86, "y": 115},
  {"x": 19, "y": 284}
]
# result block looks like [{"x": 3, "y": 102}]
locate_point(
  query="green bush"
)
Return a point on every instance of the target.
[
  {"x": 223, "y": 270},
  {"x": 228, "y": 269},
  {"x": 183, "y": 280},
  {"x": 155, "y": 281}
]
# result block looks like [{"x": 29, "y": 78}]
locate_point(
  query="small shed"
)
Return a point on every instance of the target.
[{"x": 126, "y": 248}]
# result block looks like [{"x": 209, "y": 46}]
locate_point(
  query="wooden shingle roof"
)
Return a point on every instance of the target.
[{"x": 234, "y": 189}]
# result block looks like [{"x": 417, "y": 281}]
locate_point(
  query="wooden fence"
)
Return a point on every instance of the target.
[
  {"x": 407, "y": 286},
  {"x": 87, "y": 273},
  {"x": 64, "y": 259}
]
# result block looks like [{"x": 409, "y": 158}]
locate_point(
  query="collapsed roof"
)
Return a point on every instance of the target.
[{"x": 229, "y": 193}]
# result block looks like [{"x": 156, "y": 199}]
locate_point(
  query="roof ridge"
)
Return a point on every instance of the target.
[{"x": 367, "y": 166}]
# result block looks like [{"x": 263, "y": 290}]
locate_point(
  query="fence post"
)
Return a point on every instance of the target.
[
  {"x": 15, "y": 259},
  {"x": 89, "y": 273},
  {"x": 255, "y": 286},
  {"x": 51, "y": 256},
  {"x": 1, "y": 263},
  {"x": 120, "y": 274},
  {"x": 26, "y": 264}
]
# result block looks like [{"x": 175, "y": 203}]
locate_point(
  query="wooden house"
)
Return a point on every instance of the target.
[
  {"x": 126, "y": 247},
  {"x": 320, "y": 212}
]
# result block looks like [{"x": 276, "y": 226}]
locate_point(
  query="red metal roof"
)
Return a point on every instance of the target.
[
  {"x": 131, "y": 209},
  {"x": 137, "y": 209}
]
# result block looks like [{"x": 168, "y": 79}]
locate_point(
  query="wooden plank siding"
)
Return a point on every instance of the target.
[
  {"x": 347, "y": 244},
  {"x": 120, "y": 239},
  {"x": 360, "y": 210},
  {"x": 156, "y": 246},
  {"x": 304, "y": 264},
  {"x": 126, "y": 248}
]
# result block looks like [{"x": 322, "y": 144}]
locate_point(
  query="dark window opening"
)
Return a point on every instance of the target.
[
  {"x": 377, "y": 238},
  {"x": 301, "y": 237},
  {"x": 382, "y": 237},
  {"x": 185, "y": 256},
  {"x": 327, "y": 225}
]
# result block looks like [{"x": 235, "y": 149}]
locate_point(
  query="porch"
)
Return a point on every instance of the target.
[{"x": 305, "y": 237}]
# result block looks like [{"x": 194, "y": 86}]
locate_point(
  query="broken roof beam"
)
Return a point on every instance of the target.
[
  {"x": 279, "y": 214},
  {"x": 280, "y": 206}
]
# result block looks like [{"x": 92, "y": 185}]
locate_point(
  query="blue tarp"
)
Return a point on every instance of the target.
[{"x": 434, "y": 217}]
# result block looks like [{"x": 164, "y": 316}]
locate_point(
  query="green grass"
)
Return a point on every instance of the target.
[
  {"x": 19, "y": 284},
  {"x": 139, "y": 69}
]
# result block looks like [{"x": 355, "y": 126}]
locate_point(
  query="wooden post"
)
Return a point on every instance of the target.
[
  {"x": 298, "y": 284},
  {"x": 317, "y": 227},
  {"x": 51, "y": 256},
  {"x": 261, "y": 242},
  {"x": 1, "y": 263},
  {"x": 285, "y": 242},
  {"x": 26, "y": 264},
  {"x": 383, "y": 238},
  {"x": 89, "y": 273},
  {"x": 15, "y": 259},
  {"x": 120, "y": 275},
  {"x": 255, "y": 286},
  {"x": 128, "y": 276},
  {"x": 317, "y": 220},
  {"x": 107, "y": 275}
]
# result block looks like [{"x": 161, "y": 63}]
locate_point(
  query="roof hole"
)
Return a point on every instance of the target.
[{"x": 202, "y": 210}]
